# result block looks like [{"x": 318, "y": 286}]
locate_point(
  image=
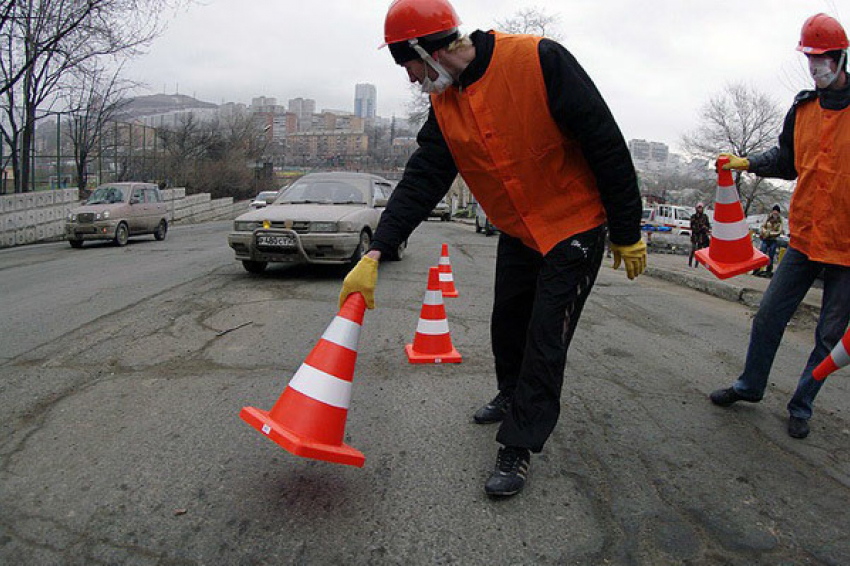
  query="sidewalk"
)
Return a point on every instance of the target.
[{"x": 745, "y": 289}]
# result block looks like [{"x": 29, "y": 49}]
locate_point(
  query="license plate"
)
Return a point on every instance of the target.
[{"x": 276, "y": 241}]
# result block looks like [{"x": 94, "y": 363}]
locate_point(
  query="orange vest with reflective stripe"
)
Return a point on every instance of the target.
[
  {"x": 820, "y": 207},
  {"x": 532, "y": 180}
]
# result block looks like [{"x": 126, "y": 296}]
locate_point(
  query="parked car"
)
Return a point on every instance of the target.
[
  {"x": 322, "y": 218},
  {"x": 116, "y": 211},
  {"x": 442, "y": 211},
  {"x": 264, "y": 198},
  {"x": 482, "y": 223},
  {"x": 677, "y": 218}
]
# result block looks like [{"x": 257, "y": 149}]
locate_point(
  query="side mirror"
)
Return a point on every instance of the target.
[
  {"x": 271, "y": 199},
  {"x": 380, "y": 202}
]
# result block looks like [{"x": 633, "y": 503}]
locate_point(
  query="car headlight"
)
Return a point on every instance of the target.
[
  {"x": 105, "y": 214},
  {"x": 324, "y": 227},
  {"x": 246, "y": 226},
  {"x": 72, "y": 217}
]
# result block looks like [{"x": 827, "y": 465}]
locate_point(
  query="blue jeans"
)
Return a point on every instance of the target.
[
  {"x": 769, "y": 247},
  {"x": 793, "y": 279}
]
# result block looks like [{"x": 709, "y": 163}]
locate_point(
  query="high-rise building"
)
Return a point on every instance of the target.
[
  {"x": 304, "y": 108},
  {"x": 365, "y": 100}
]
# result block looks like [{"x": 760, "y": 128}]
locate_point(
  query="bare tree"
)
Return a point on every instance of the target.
[
  {"x": 92, "y": 102},
  {"x": 45, "y": 40},
  {"x": 535, "y": 21},
  {"x": 742, "y": 121}
]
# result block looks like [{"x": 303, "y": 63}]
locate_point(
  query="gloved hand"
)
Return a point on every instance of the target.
[
  {"x": 735, "y": 163},
  {"x": 633, "y": 256},
  {"x": 362, "y": 278}
]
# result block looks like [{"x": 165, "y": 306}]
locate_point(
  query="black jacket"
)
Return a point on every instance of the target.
[
  {"x": 577, "y": 108},
  {"x": 779, "y": 161}
]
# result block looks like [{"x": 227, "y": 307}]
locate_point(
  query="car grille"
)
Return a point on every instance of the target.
[
  {"x": 297, "y": 227},
  {"x": 85, "y": 217}
]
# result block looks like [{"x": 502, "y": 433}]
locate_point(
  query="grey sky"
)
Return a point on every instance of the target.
[{"x": 656, "y": 62}]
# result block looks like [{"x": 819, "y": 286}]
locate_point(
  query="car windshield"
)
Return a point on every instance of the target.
[
  {"x": 646, "y": 213},
  {"x": 265, "y": 194},
  {"x": 325, "y": 191},
  {"x": 107, "y": 195}
]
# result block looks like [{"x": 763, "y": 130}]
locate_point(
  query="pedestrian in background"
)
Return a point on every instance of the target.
[
  {"x": 769, "y": 234},
  {"x": 535, "y": 142},
  {"x": 814, "y": 148},
  {"x": 700, "y": 232}
]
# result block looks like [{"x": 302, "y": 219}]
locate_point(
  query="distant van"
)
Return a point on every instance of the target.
[{"x": 677, "y": 218}]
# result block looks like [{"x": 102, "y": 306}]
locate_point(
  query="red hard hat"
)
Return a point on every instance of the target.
[
  {"x": 821, "y": 33},
  {"x": 409, "y": 19}
]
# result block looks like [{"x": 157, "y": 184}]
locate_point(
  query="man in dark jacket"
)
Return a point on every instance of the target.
[
  {"x": 525, "y": 126},
  {"x": 700, "y": 231},
  {"x": 814, "y": 148}
]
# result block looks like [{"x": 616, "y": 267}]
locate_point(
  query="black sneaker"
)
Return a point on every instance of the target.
[
  {"x": 725, "y": 397},
  {"x": 797, "y": 427},
  {"x": 509, "y": 476},
  {"x": 494, "y": 411}
]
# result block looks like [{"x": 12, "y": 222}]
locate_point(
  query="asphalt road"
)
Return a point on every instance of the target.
[{"x": 120, "y": 441}]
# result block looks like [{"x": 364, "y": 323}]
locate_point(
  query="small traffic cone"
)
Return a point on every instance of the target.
[
  {"x": 730, "y": 251},
  {"x": 838, "y": 358},
  {"x": 432, "y": 343},
  {"x": 447, "y": 281},
  {"x": 309, "y": 417}
]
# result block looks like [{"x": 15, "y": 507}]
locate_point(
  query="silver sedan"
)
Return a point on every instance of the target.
[{"x": 323, "y": 218}]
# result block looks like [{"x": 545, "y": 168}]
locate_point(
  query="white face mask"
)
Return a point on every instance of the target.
[
  {"x": 444, "y": 79},
  {"x": 824, "y": 76}
]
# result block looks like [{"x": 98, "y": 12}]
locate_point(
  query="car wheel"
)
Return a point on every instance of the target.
[
  {"x": 254, "y": 266},
  {"x": 76, "y": 243},
  {"x": 400, "y": 252},
  {"x": 362, "y": 248},
  {"x": 477, "y": 227},
  {"x": 161, "y": 230},
  {"x": 122, "y": 234},
  {"x": 447, "y": 217},
  {"x": 488, "y": 228}
]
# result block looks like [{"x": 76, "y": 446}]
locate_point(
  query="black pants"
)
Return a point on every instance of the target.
[{"x": 538, "y": 301}]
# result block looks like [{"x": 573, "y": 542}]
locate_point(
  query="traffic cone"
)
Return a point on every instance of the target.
[
  {"x": 432, "y": 343},
  {"x": 447, "y": 281},
  {"x": 838, "y": 358},
  {"x": 309, "y": 417},
  {"x": 730, "y": 251}
]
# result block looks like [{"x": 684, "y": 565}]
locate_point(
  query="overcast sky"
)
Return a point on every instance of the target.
[{"x": 656, "y": 62}]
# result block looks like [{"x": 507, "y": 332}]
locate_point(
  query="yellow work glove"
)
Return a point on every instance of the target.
[
  {"x": 361, "y": 279},
  {"x": 633, "y": 256},
  {"x": 735, "y": 163}
]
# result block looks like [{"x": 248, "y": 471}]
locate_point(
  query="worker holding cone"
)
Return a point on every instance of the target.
[
  {"x": 814, "y": 148},
  {"x": 535, "y": 142}
]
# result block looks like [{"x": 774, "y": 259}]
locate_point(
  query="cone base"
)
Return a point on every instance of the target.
[
  {"x": 341, "y": 454},
  {"x": 452, "y": 357},
  {"x": 451, "y": 294},
  {"x": 727, "y": 270}
]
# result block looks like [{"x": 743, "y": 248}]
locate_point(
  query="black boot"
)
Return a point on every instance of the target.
[
  {"x": 509, "y": 476},
  {"x": 725, "y": 397},
  {"x": 494, "y": 411},
  {"x": 797, "y": 427}
]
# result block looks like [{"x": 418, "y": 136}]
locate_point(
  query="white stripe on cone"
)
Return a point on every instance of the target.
[
  {"x": 432, "y": 327},
  {"x": 727, "y": 195},
  {"x": 730, "y": 231},
  {"x": 444, "y": 260},
  {"x": 321, "y": 386},
  {"x": 343, "y": 332},
  {"x": 446, "y": 277},
  {"x": 840, "y": 355},
  {"x": 433, "y": 298}
]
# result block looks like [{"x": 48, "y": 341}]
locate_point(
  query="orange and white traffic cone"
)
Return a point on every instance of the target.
[
  {"x": 309, "y": 417},
  {"x": 730, "y": 251},
  {"x": 447, "y": 281},
  {"x": 432, "y": 343},
  {"x": 837, "y": 359}
]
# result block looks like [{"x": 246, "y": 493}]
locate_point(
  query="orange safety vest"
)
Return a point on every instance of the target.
[
  {"x": 532, "y": 180},
  {"x": 820, "y": 207}
]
